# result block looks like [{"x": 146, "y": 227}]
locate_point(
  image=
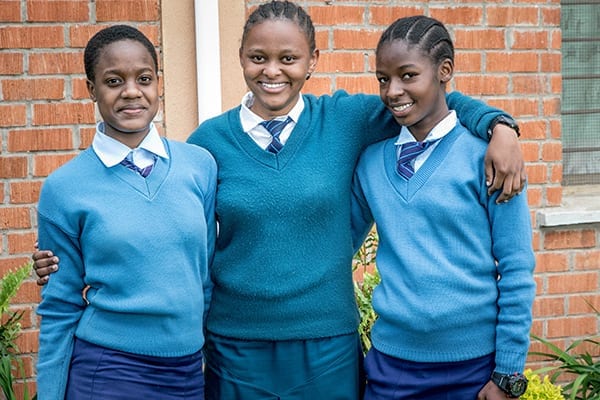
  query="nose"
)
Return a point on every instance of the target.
[
  {"x": 131, "y": 89},
  {"x": 271, "y": 69},
  {"x": 395, "y": 88}
]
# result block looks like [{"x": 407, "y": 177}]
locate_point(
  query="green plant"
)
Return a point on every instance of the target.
[
  {"x": 10, "y": 329},
  {"x": 585, "y": 368},
  {"x": 541, "y": 389},
  {"x": 364, "y": 261}
]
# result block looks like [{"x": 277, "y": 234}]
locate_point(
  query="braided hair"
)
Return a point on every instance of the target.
[
  {"x": 111, "y": 35},
  {"x": 427, "y": 34},
  {"x": 281, "y": 10}
]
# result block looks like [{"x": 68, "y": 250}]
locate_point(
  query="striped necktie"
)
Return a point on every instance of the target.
[
  {"x": 128, "y": 162},
  {"x": 275, "y": 127},
  {"x": 408, "y": 153}
]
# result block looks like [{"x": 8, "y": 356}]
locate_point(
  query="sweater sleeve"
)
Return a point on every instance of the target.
[
  {"x": 511, "y": 245},
  {"x": 211, "y": 231},
  {"x": 361, "y": 217},
  {"x": 61, "y": 307},
  {"x": 474, "y": 114}
]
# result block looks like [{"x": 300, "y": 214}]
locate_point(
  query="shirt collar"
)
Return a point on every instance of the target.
[
  {"x": 439, "y": 131},
  {"x": 111, "y": 151},
  {"x": 251, "y": 120}
]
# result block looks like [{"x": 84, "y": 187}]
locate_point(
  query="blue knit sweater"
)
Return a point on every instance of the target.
[
  {"x": 143, "y": 245},
  {"x": 443, "y": 242},
  {"x": 282, "y": 267}
]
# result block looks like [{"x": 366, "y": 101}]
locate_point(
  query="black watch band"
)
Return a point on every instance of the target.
[
  {"x": 504, "y": 120},
  {"x": 514, "y": 385}
]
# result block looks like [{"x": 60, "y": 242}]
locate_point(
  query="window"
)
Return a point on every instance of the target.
[{"x": 580, "y": 106}]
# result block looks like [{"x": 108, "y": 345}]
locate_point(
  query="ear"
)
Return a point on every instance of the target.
[
  {"x": 313, "y": 61},
  {"x": 91, "y": 89},
  {"x": 446, "y": 70}
]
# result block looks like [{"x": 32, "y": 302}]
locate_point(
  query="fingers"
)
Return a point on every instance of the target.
[{"x": 41, "y": 254}]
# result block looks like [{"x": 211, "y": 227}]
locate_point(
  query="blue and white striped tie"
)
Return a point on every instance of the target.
[{"x": 275, "y": 127}]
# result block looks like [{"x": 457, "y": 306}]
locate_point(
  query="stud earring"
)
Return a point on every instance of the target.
[{"x": 307, "y": 76}]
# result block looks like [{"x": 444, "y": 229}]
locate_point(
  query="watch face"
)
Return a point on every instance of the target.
[{"x": 517, "y": 386}]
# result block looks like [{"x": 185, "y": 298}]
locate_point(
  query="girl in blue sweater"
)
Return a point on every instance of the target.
[
  {"x": 456, "y": 292},
  {"x": 283, "y": 320},
  {"x": 135, "y": 236}
]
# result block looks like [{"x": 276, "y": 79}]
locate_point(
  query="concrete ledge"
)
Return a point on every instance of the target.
[{"x": 581, "y": 205}]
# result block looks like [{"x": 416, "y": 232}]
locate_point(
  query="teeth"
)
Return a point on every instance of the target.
[
  {"x": 273, "y": 85},
  {"x": 402, "y": 107}
]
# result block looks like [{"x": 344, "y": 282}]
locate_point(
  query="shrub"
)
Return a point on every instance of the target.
[
  {"x": 541, "y": 389},
  {"x": 364, "y": 260}
]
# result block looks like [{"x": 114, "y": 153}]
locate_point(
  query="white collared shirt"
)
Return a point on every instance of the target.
[
  {"x": 111, "y": 152},
  {"x": 251, "y": 122},
  {"x": 439, "y": 131}
]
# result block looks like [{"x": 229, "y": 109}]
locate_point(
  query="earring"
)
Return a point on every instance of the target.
[{"x": 307, "y": 76}]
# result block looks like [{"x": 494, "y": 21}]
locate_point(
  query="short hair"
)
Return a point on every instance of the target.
[
  {"x": 427, "y": 34},
  {"x": 281, "y": 10},
  {"x": 111, "y": 35}
]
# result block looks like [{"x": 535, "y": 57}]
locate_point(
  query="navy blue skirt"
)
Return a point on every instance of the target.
[
  {"x": 99, "y": 373},
  {"x": 390, "y": 378}
]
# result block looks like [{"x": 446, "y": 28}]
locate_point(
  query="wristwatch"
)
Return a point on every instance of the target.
[
  {"x": 513, "y": 385},
  {"x": 504, "y": 120}
]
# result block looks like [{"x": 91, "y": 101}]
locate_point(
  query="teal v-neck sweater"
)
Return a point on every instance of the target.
[
  {"x": 282, "y": 266},
  {"x": 142, "y": 245},
  {"x": 456, "y": 268}
]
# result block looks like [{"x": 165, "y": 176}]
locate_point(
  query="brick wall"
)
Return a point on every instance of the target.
[{"x": 508, "y": 54}]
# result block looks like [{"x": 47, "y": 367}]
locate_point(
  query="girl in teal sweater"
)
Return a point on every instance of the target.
[
  {"x": 283, "y": 319},
  {"x": 454, "y": 302}
]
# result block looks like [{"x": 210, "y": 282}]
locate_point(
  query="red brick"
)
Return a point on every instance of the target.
[
  {"x": 29, "y": 292},
  {"x": 584, "y": 304},
  {"x": 556, "y": 173},
  {"x": 341, "y": 62},
  {"x": 12, "y": 115},
  {"x": 27, "y": 37},
  {"x": 127, "y": 10},
  {"x": 11, "y": 263},
  {"x": 528, "y": 39},
  {"x": 587, "y": 260},
  {"x": 24, "y": 192},
  {"x": 556, "y": 39},
  {"x": 322, "y": 39},
  {"x": 554, "y": 195},
  {"x": 511, "y": 16},
  {"x": 15, "y": 217},
  {"x": 79, "y": 35},
  {"x": 549, "y": 306},
  {"x": 28, "y": 342},
  {"x": 573, "y": 239},
  {"x": 338, "y": 15},
  {"x": 531, "y": 151},
  {"x": 551, "y": 262},
  {"x": 45, "y": 164},
  {"x": 21, "y": 243},
  {"x": 57, "y": 10},
  {"x": 535, "y": 129},
  {"x": 33, "y": 89},
  {"x": 555, "y": 129},
  {"x": 572, "y": 326},
  {"x": 385, "y": 15},
  {"x": 10, "y": 11},
  {"x": 467, "y": 61},
  {"x": 316, "y": 85},
  {"x": 536, "y": 173},
  {"x": 530, "y": 84},
  {"x": 79, "y": 89},
  {"x": 511, "y": 62},
  {"x": 551, "y": 16},
  {"x": 40, "y": 139},
  {"x": 518, "y": 107},
  {"x": 534, "y": 197},
  {"x": 355, "y": 39},
  {"x": 13, "y": 167},
  {"x": 11, "y": 63},
  {"x": 481, "y": 84},
  {"x": 358, "y": 84},
  {"x": 457, "y": 15},
  {"x": 63, "y": 113},
  {"x": 551, "y": 106},
  {"x": 86, "y": 135},
  {"x": 552, "y": 151},
  {"x": 551, "y": 62},
  {"x": 56, "y": 63},
  {"x": 479, "y": 39}
]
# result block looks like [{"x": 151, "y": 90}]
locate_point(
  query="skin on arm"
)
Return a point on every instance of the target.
[
  {"x": 504, "y": 165},
  {"x": 491, "y": 392}
]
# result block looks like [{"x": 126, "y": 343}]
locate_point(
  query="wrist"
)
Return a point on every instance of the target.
[
  {"x": 513, "y": 385},
  {"x": 503, "y": 120}
]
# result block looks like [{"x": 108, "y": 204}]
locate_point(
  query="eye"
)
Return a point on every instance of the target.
[
  {"x": 145, "y": 79},
  {"x": 113, "y": 81},
  {"x": 408, "y": 75},
  {"x": 382, "y": 79},
  {"x": 257, "y": 59},
  {"x": 288, "y": 59}
]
